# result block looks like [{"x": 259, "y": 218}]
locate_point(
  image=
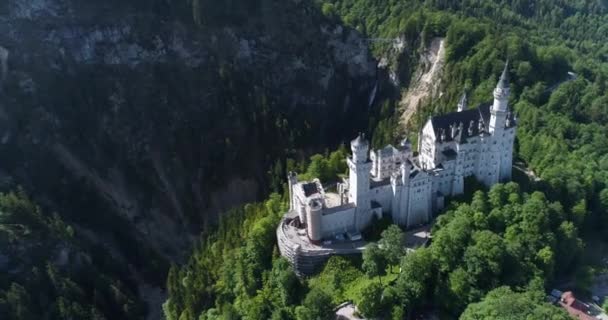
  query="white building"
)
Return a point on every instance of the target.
[{"x": 391, "y": 181}]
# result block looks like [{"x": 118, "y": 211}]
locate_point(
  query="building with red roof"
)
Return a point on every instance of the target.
[{"x": 576, "y": 308}]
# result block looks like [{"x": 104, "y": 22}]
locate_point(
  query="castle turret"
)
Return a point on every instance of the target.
[
  {"x": 405, "y": 172},
  {"x": 401, "y": 191},
  {"x": 359, "y": 167},
  {"x": 501, "y": 99},
  {"x": 359, "y": 176},
  {"x": 359, "y": 147},
  {"x": 314, "y": 209}
]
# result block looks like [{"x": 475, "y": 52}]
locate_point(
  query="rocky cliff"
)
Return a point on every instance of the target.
[{"x": 142, "y": 120}]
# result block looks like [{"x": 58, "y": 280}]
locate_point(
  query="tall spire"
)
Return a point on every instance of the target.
[
  {"x": 504, "y": 77},
  {"x": 463, "y": 102},
  {"x": 501, "y": 102}
]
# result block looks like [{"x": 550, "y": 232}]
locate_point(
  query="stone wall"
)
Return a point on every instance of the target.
[{"x": 306, "y": 259}]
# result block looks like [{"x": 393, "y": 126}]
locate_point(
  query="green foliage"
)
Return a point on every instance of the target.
[
  {"x": 316, "y": 306},
  {"x": 55, "y": 272},
  {"x": 386, "y": 128},
  {"x": 391, "y": 242},
  {"x": 415, "y": 279},
  {"x": 521, "y": 237},
  {"x": 327, "y": 168},
  {"x": 370, "y": 302},
  {"x": 503, "y": 304},
  {"x": 337, "y": 277},
  {"x": 374, "y": 261},
  {"x": 234, "y": 271}
]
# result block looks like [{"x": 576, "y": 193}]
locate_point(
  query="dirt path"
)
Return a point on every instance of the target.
[{"x": 425, "y": 83}]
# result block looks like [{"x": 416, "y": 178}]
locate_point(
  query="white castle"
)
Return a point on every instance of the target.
[{"x": 392, "y": 181}]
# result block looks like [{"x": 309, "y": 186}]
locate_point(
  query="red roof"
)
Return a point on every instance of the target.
[{"x": 575, "y": 308}]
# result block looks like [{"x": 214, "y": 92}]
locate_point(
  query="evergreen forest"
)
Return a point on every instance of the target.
[{"x": 495, "y": 252}]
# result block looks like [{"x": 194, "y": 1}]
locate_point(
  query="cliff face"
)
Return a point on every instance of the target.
[
  {"x": 136, "y": 122},
  {"x": 426, "y": 81}
]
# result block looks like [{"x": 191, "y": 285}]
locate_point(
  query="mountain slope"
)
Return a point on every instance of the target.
[
  {"x": 141, "y": 121},
  {"x": 139, "y": 113},
  {"x": 527, "y": 241}
]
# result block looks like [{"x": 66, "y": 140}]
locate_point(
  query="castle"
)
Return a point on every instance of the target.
[{"x": 394, "y": 182}]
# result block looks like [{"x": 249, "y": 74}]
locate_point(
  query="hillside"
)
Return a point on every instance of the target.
[
  {"x": 140, "y": 122},
  {"x": 138, "y": 135},
  {"x": 519, "y": 239}
]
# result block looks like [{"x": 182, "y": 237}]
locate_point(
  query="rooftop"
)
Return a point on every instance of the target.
[
  {"x": 504, "y": 77},
  {"x": 310, "y": 188},
  {"x": 467, "y": 120},
  {"x": 575, "y": 307},
  {"x": 379, "y": 183},
  {"x": 332, "y": 200},
  {"x": 339, "y": 209},
  {"x": 360, "y": 141},
  {"x": 442, "y": 123},
  {"x": 387, "y": 151},
  {"x": 450, "y": 154}
]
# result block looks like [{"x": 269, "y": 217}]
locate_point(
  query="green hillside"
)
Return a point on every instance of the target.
[
  {"x": 129, "y": 129},
  {"x": 502, "y": 237}
]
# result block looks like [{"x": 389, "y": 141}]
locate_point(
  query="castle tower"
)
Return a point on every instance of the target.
[
  {"x": 406, "y": 168},
  {"x": 499, "y": 109},
  {"x": 463, "y": 102},
  {"x": 315, "y": 209},
  {"x": 401, "y": 200},
  {"x": 359, "y": 174},
  {"x": 493, "y": 163},
  {"x": 359, "y": 169}
]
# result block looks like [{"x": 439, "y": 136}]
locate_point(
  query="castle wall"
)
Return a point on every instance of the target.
[
  {"x": 420, "y": 200},
  {"x": 444, "y": 178},
  {"x": 384, "y": 165},
  {"x": 363, "y": 218},
  {"x": 338, "y": 222},
  {"x": 487, "y": 167},
  {"x": 306, "y": 259},
  {"x": 399, "y": 203},
  {"x": 384, "y": 196},
  {"x": 506, "y": 165}
]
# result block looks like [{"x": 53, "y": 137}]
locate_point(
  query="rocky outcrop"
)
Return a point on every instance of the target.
[{"x": 425, "y": 84}]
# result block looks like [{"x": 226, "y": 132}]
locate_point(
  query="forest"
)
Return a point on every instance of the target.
[
  {"x": 495, "y": 253},
  {"x": 50, "y": 271},
  {"x": 137, "y": 122}
]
